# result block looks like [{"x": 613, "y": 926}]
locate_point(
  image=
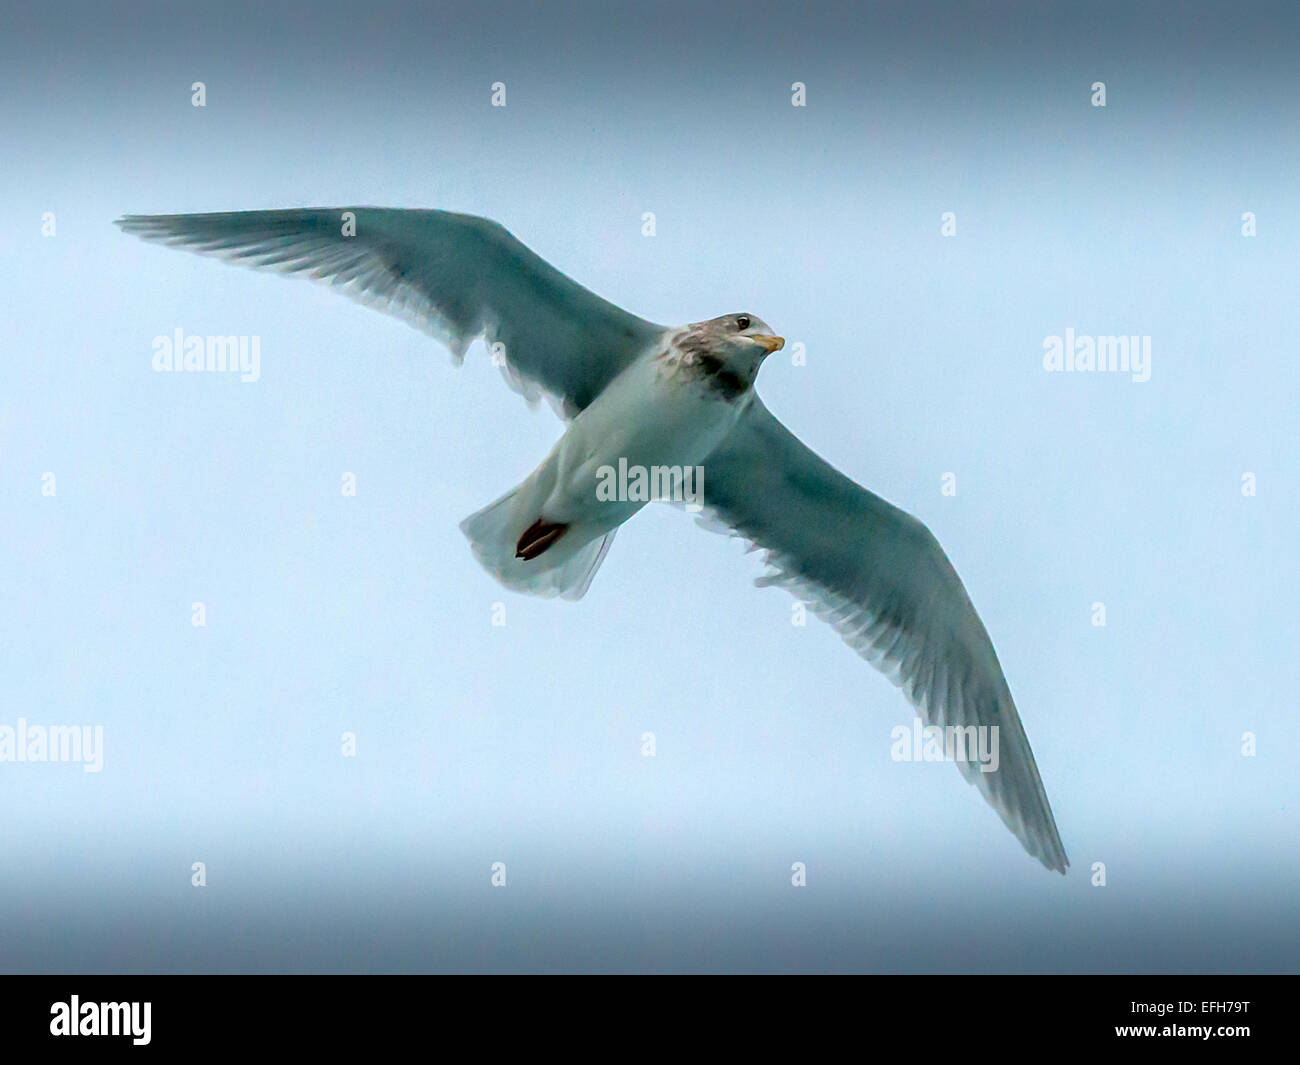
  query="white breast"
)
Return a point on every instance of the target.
[{"x": 654, "y": 414}]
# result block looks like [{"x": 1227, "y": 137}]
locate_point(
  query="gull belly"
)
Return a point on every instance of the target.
[{"x": 657, "y": 413}]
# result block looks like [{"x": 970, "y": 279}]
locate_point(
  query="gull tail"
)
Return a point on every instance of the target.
[{"x": 527, "y": 554}]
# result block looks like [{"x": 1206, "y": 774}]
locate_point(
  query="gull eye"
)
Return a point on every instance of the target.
[{"x": 742, "y": 322}]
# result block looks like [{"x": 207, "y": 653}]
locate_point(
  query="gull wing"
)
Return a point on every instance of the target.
[
  {"x": 456, "y": 276},
  {"x": 880, "y": 577}
]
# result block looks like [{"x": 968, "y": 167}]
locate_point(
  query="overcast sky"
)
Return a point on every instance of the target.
[{"x": 522, "y": 743}]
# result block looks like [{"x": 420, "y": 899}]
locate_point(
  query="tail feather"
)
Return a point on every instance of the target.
[
  {"x": 564, "y": 568},
  {"x": 538, "y": 537}
]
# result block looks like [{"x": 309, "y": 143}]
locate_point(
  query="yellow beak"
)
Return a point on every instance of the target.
[{"x": 771, "y": 343}]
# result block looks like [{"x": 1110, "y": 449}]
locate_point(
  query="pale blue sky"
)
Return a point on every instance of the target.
[{"x": 522, "y": 743}]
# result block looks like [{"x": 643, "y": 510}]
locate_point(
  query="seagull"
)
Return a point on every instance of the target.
[{"x": 650, "y": 396}]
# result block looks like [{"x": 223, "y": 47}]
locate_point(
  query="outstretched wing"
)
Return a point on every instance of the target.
[
  {"x": 455, "y": 276},
  {"x": 880, "y": 577}
]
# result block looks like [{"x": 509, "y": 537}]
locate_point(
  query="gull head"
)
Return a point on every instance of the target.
[{"x": 732, "y": 346}]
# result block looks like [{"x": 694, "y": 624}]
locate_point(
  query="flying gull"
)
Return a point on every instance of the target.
[{"x": 651, "y": 397}]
